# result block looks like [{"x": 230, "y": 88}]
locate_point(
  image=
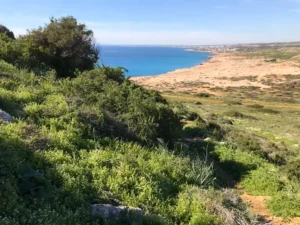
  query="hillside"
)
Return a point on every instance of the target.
[
  {"x": 93, "y": 140},
  {"x": 253, "y": 95},
  {"x": 82, "y": 144}
]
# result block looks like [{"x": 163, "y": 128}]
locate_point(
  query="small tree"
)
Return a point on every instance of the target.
[
  {"x": 64, "y": 45},
  {"x": 6, "y": 31}
]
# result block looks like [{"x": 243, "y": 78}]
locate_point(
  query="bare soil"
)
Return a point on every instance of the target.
[{"x": 258, "y": 206}]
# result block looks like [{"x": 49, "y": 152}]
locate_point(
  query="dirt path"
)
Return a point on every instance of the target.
[
  {"x": 222, "y": 101},
  {"x": 258, "y": 206}
]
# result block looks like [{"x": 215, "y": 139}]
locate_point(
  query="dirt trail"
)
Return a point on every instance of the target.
[
  {"x": 258, "y": 206},
  {"x": 222, "y": 101}
]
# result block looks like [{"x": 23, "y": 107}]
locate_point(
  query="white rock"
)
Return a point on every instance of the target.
[
  {"x": 5, "y": 117},
  {"x": 207, "y": 139},
  {"x": 107, "y": 211}
]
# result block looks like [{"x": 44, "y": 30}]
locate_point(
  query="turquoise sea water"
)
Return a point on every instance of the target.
[{"x": 147, "y": 61}]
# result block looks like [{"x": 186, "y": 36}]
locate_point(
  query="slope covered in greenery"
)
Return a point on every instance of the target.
[
  {"x": 93, "y": 139},
  {"x": 58, "y": 155},
  {"x": 83, "y": 134}
]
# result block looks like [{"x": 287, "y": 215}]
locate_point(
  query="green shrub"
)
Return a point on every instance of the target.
[
  {"x": 236, "y": 162},
  {"x": 292, "y": 169},
  {"x": 262, "y": 181},
  {"x": 238, "y": 115},
  {"x": 255, "y": 106},
  {"x": 268, "y": 110},
  {"x": 202, "y": 95},
  {"x": 59, "y": 184},
  {"x": 6, "y": 31},
  {"x": 201, "y": 173},
  {"x": 191, "y": 208},
  {"x": 64, "y": 45},
  {"x": 284, "y": 205},
  {"x": 56, "y": 159},
  {"x": 233, "y": 102}
]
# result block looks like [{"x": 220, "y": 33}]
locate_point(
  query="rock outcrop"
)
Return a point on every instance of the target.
[
  {"x": 5, "y": 117},
  {"x": 118, "y": 213}
]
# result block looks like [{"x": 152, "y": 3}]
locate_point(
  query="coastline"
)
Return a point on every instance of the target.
[
  {"x": 191, "y": 50},
  {"x": 221, "y": 71},
  {"x": 199, "y": 50}
]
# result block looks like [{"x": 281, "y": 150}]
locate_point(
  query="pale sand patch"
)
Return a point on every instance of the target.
[{"x": 223, "y": 70}]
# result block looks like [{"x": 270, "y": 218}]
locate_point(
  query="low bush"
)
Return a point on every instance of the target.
[
  {"x": 285, "y": 205},
  {"x": 191, "y": 208},
  {"x": 255, "y": 106},
  {"x": 236, "y": 162},
  {"x": 237, "y": 114},
  {"x": 244, "y": 141},
  {"x": 292, "y": 169},
  {"x": 262, "y": 181},
  {"x": 233, "y": 102},
  {"x": 202, "y": 95},
  {"x": 268, "y": 110}
]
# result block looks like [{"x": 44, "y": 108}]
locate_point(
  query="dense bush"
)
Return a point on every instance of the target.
[
  {"x": 5, "y": 30},
  {"x": 285, "y": 205},
  {"x": 101, "y": 101},
  {"x": 57, "y": 186},
  {"x": 64, "y": 45},
  {"x": 61, "y": 154}
]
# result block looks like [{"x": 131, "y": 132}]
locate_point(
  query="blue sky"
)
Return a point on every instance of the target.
[{"x": 188, "y": 22}]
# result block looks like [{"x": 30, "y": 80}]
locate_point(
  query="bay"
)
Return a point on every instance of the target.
[{"x": 149, "y": 61}]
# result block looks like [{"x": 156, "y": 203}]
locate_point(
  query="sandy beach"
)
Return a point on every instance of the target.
[{"x": 223, "y": 70}]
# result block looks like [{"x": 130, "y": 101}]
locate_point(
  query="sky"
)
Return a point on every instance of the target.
[{"x": 164, "y": 22}]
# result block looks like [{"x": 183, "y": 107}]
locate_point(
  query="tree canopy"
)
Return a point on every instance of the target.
[
  {"x": 63, "y": 45},
  {"x": 5, "y": 30}
]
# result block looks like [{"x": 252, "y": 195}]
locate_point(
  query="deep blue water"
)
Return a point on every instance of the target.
[{"x": 146, "y": 61}]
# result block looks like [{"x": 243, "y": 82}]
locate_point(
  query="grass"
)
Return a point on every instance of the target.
[
  {"x": 267, "y": 110},
  {"x": 285, "y": 205},
  {"x": 271, "y": 55},
  {"x": 236, "y": 114},
  {"x": 259, "y": 155}
]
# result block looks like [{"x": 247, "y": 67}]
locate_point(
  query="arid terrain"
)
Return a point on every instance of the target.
[{"x": 230, "y": 69}]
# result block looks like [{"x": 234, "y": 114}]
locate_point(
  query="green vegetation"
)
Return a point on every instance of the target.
[
  {"x": 258, "y": 151},
  {"x": 83, "y": 134},
  {"x": 202, "y": 95},
  {"x": 61, "y": 154},
  {"x": 272, "y": 55},
  {"x": 6, "y": 31},
  {"x": 236, "y": 114},
  {"x": 96, "y": 138},
  {"x": 63, "y": 45}
]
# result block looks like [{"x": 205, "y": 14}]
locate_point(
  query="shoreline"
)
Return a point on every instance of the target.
[
  {"x": 199, "y": 64},
  {"x": 222, "y": 70},
  {"x": 199, "y": 50}
]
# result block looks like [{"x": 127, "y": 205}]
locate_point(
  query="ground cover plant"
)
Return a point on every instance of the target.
[
  {"x": 83, "y": 135},
  {"x": 258, "y": 152}
]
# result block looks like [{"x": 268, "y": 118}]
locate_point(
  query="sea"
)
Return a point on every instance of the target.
[{"x": 149, "y": 61}]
